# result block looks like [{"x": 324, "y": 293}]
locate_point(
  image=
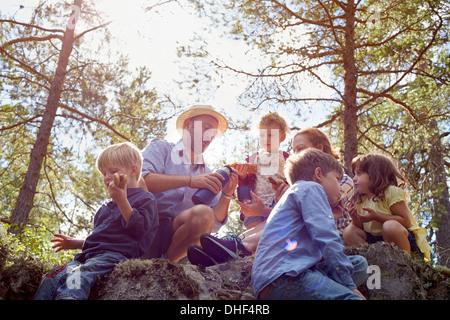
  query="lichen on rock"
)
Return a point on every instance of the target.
[{"x": 159, "y": 279}]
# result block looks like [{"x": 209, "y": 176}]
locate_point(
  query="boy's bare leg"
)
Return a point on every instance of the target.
[{"x": 188, "y": 226}]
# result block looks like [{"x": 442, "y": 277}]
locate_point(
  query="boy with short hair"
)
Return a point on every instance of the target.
[
  {"x": 300, "y": 254},
  {"x": 124, "y": 228}
]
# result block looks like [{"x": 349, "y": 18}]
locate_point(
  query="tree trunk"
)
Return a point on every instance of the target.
[
  {"x": 440, "y": 195},
  {"x": 24, "y": 202},
  {"x": 350, "y": 82}
]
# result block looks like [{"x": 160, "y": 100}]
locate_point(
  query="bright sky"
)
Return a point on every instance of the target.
[{"x": 152, "y": 38}]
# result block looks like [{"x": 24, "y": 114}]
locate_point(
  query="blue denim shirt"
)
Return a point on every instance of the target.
[
  {"x": 168, "y": 158},
  {"x": 300, "y": 232}
]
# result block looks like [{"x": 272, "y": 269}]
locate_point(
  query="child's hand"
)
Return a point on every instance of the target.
[
  {"x": 358, "y": 218},
  {"x": 338, "y": 210},
  {"x": 280, "y": 191},
  {"x": 231, "y": 185},
  {"x": 352, "y": 211},
  {"x": 242, "y": 170},
  {"x": 66, "y": 243},
  {"x": 369, "y": 216},
  {"x": 359, "y": 293},
  {"x": 354, "y": 214},
  {"x": 254, "y": 208},
  {"x": 118, "y": 192}
]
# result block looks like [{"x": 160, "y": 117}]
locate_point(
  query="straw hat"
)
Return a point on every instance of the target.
[{"x": 198, "y": 110}]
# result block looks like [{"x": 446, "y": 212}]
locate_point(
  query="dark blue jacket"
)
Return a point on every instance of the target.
[{"x": 112, "y": 233}]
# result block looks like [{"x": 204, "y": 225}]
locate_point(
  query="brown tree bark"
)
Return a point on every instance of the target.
[
  {"x": 441, "y": 199},
  {"x": 350, "y": 89}
]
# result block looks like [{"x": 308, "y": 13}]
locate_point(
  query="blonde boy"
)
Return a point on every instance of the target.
[{"x": 124, "y": 228}]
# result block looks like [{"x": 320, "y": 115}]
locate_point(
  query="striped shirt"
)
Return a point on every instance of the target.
[{"x": 347, "y": 187}]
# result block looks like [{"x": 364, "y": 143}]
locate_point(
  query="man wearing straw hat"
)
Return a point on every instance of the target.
[{"x": 174, "y": 172}]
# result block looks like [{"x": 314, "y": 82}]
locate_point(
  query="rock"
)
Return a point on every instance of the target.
[
  {"x": 159, "y": 279},
  {"x": 399, "y": 281},
  {"x": 19, "y": 276},
  {"x": 400, "y": 278}
]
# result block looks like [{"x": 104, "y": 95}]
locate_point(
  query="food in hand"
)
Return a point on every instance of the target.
[
  {"x": 251, "y": 168},
  {"x": 119, "y": 180},
  {"x": 275, "y": 183}
]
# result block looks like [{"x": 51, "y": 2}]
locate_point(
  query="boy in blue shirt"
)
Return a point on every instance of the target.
[
  {"x": 124, "y": 228},
  {"x": 300, "y": 254}
]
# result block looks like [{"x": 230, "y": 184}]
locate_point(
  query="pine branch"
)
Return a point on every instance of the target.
[
  {"x": 32, "y": 39},
  {"x": 384, "y": 93},
  {"x": 24, "y": 65},
  {"x": 92, "y": 29},
  {"x": 303, "y": 20},
  {"x": 84, "y": 115},
  {"x": 20, "y": 123},
  {"x": 30, "y": 26}
]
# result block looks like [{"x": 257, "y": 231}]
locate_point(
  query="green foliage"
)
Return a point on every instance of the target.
[
  {"x": 24, "y": 260},
  {"x": 33, "y": 245}
]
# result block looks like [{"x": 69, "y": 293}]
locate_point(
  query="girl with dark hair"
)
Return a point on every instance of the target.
[{"x": 379, "y": 210}]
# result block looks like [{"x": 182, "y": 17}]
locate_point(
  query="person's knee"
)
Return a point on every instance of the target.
[
  {"x": 347, "y": 233},
  {"x": 360, "y": 265},
  {"x": 353, "y": 235},
  {"x": 359, "y": 262},
  {"x": 393, "y": 227},
  {"x": 202, "y": 217}
]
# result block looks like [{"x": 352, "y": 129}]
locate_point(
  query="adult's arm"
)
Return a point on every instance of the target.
[
  {"x": 157, "y": 182},
  {"x": 156, "y": 156},
  {"x": 223, "y": 204}
]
